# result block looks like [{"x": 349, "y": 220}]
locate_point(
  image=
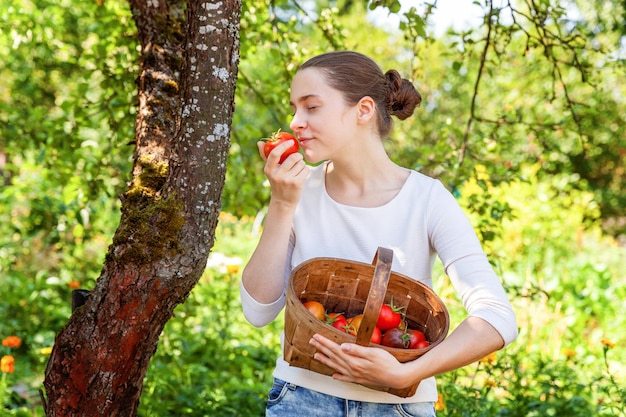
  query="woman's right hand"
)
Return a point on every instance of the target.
[{"x": 286, "y": 179}]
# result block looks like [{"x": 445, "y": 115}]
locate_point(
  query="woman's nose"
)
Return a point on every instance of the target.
[{"x": 297, "y": 123}]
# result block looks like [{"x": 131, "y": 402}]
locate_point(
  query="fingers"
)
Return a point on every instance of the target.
[
  {"x": 276, "y": 153},
  {"x": 347, "y": 358},
  {"x": 328, "y": 346},
  {"x": 261, "y": 144},
  {"x": 287, "y": 179},
  {"x": 355, "y": 363},
  {"x": 330, "y": 354},
  {"x": 292, "y": 167}
]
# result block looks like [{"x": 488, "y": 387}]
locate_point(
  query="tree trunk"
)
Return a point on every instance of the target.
[{"x": 189, "y": 58}]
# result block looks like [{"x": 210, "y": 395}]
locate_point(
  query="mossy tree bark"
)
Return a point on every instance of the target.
[{"x": 188, "y": 63}]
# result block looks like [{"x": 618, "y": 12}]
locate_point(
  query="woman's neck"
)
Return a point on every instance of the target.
[{"x": 365, "y": 184}]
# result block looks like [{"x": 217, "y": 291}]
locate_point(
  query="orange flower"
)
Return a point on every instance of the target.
[
  {"x": 12, "y": 342},
  {"x": 7, "y": 364},
  {"x": 608, "y": 343},
  {"x": 569, "y": 353},
  {"x": 439, "y": 405},
  {"x": 73, "y": 284}
]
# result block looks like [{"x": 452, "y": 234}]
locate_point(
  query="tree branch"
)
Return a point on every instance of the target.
[{"x": 481, "y": 69}]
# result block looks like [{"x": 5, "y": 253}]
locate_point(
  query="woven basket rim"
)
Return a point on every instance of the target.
[{"x": 303, "y": 264}]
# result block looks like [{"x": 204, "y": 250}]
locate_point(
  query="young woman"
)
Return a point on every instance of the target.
[{"x": 350, "y": 201}]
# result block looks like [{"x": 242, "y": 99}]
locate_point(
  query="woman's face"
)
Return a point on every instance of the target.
[{"x": 322, "y": 120}]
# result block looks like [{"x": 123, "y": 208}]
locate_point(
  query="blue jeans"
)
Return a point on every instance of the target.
[{"x": 289, "y": 400}]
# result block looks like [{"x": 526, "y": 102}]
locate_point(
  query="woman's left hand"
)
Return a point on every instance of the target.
[{"x": 361, "y": 364}]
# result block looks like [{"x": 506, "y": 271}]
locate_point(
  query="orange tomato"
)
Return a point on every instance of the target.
[
  {"x": 353, "y": 324},
  {"x": 316, "y": 308}
]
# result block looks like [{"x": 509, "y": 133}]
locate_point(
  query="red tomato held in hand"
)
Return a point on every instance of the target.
[
  {"x": 276, "y": 139},
  {"x": 389, "y": 317},
  {"x": 316, "y": 308}
]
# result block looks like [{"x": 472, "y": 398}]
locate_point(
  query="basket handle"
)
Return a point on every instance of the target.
[{"x": 382, "y": 270}]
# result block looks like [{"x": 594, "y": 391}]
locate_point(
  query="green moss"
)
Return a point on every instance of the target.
[
  {"x": 170, "y": 87},
  {"x": 150, "y": 225},
  {"x": 152, "y": 177}
]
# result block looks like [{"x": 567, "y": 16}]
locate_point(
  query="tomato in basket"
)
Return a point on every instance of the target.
[
  {"x": 389, "y": 317},
  {"x": 353, "y": 325},
  {"x": 316, "y": 308},
  {"x": 395, "y": 338},
  {"x": 416, "y": 339},
  {"x": 337, "y": 320},
  {"x": 377, "y": 336}
]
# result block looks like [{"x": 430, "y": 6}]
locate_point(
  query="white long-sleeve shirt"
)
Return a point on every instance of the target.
[{"x": 421, "y": 222}]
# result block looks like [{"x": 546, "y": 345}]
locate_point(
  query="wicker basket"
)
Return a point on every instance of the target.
[{"x": 354, "y": 288}]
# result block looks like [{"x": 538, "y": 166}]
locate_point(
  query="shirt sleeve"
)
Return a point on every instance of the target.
[
  {"x": 465, "y": 262},
  {"x": 482, "y": 294},
  {"x": 259, "y": 314}
]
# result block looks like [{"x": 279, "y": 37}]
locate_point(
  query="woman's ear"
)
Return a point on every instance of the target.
[{"x": 366, "y": 109}]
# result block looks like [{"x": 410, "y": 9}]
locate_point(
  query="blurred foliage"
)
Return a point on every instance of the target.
[
  {"x": 538, "y": 84},
  {"x": 564, "y": 279},
  {"x": 522, "y": 119}
]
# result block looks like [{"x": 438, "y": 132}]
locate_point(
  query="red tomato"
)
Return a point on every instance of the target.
[
  {"x": 276, "y": 139},
  {"x": 421, "y": 344},
  {"x": 416, "y": 338},
  {"x": 389, "y": 317},
  {"x": 395, "y": 338},
  {"x": 337, "y": 320},
  {"x": 316, "y": 308},
  {"x": 376, "y": 336}
]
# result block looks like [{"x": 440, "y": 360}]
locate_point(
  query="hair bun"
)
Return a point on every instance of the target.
[{"x": 402, "y": 96}]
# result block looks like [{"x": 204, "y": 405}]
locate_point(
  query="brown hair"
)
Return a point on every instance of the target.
[{"x": 357, "y": 76}]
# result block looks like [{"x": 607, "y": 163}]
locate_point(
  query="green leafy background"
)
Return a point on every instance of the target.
[{"x": 534, "y": 151}]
